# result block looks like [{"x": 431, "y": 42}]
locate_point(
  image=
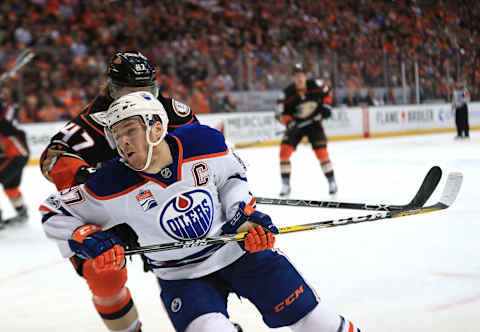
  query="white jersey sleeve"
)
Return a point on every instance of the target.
[
  {"x": 67, "y": 210},
  {"x": 232, "y": 185}
]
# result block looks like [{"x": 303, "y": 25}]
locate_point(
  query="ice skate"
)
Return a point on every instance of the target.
[
  {"x": 22, "y": 216},
  {"x": 332, "y": 187},
  {"x": 285, "y": 191}
]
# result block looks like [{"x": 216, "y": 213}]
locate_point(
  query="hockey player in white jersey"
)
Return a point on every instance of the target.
[{"x": 175, "y": 187}]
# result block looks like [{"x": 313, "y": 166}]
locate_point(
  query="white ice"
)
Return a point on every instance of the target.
[{"x": 416, "y": 273}]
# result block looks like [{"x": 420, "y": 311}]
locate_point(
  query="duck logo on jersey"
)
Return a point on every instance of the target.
[
  {"x": 188, "y": 215},
  {"x": 304, "y": 110},
  {"x": 146, "y": 200}
]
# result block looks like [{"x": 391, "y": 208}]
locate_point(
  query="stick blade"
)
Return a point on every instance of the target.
[
  {"x": 427, "y": 188},
  {"x": 452, "y": 187}
]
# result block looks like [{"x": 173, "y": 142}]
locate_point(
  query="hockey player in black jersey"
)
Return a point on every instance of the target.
[
  {"x": 80, "y": 147},
  {"x": 77, "y": 149},
  {"x": 14, "y": 156},
  {"x": 303, "y": 106}
]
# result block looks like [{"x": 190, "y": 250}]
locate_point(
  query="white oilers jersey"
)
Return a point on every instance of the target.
[{"x": 191, "y": 198}]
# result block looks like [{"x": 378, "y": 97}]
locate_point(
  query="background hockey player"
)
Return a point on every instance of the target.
[
  {"x": 175, "y": 187},
  {"x": 303, "y": 106},
  {"x": 80, "y": 147},
  {"x": 460, "y": 99},
  {"x": 77, "y": 149},
  {"x": 14, "y": 156}
]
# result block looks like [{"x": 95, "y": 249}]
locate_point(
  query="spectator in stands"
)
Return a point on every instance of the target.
[
  {"x": 252, "y": 41},
  {"x": 349, "y": 100},
  {"x": 229, "y": 105}
]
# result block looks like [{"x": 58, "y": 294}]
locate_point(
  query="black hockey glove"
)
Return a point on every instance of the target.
[
  {"x": 291, "y": 125},
  {"x": 326, "y": 111},
  {"x": 83, "y": 174}
]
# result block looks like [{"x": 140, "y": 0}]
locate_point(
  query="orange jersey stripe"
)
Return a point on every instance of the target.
[
  {"x": 183, "y": 124},
  {"x": 91, "y": 125},
  {"x": 45, "y": 208}
]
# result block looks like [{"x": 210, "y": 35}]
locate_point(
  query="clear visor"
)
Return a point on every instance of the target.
[{"x": 113, "y": 137}]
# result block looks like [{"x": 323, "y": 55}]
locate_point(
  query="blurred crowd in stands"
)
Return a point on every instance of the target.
[{"x": 366, "y": 49}]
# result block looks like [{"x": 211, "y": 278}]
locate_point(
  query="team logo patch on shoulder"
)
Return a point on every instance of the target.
[
  {"x": 187, "y": 215},
  {"x": 180, "y": 108},
  {"x": 146, "y": 200}
]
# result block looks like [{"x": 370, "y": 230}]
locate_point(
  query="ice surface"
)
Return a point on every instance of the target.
[{"x": 417, "y": 273}]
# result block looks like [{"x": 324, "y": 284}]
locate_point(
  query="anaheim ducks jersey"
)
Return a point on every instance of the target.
[
  {"x": 84, "y": 136},
  {"x": 13, "y": 140},
  {"x": 8, "y": 119},
  {"x": 294, "y": 106},
  {"x": 189, "y": 199}
]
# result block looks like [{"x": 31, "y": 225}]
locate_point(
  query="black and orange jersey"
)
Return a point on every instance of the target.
[
  {"x": 8, "y": 120},
  {"x": 299, "y": 107},
  {"x": 13, "y": 140},
  {"x": 83, "y": 137}
]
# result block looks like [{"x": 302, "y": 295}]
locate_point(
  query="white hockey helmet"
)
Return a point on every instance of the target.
[{"x": 144, "y": 105}]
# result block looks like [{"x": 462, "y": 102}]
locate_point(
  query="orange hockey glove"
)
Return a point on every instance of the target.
[
  {"x": 106, "y": 250},
  {"x": 257, "y": 240}
]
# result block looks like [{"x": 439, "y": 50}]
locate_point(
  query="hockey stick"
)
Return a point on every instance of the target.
[
  {"x": 450, "y": 192},
  {"x": 280, "y": 132},
  {"x": 423, "y": 194},
  {"x": 21, "y": 60}
]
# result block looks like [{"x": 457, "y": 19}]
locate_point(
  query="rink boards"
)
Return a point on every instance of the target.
[{"x": 345, "y": 123}]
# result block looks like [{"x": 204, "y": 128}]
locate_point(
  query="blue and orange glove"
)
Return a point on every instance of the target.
[
  {"x": 105, "y": 249},
  {"x": 259, "y": 226}
]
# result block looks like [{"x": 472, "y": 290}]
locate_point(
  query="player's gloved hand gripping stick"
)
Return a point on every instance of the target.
[
  {"x": 106, "y": 250},
  {"x": 255, "y": 222}
]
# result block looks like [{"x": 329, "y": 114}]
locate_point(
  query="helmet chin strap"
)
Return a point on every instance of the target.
[{"x": 149, "y": 153}]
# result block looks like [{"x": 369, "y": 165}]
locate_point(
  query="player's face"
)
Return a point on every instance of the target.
[
  {"x": 300, "y": 80},
  {"x": 130, "y": 138}
]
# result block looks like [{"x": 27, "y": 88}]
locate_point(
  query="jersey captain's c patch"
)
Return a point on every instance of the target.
[
  {"x": 180, "y": 108},
  {"x": 187, "y": 215},
  {"x": 146, "y": 200}
]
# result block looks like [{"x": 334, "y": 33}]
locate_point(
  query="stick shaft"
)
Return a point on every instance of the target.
[
  {"x": 424, "y": 192},
  {"x": 449, "y": 195}
]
